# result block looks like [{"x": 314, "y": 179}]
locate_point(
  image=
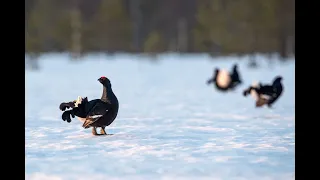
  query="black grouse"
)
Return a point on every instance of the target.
[
  {"x": 265, "y": 94},
  {"x": 95, "y": 113},
  {"x": 225, "y": 81}
]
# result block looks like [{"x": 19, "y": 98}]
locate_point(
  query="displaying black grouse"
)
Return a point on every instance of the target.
[
  {"x": 225, "y": 81},
  {"x": 95, "y": 113},
  {"x": 265, "y": 94}
]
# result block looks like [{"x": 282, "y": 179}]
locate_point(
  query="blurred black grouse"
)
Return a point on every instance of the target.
[
  {"x": 265, "y": 94},
  {"x": 225, "y": 81},
  {"x": 95, "y": 113}
]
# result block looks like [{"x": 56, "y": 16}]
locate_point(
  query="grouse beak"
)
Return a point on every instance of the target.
[{"x": 101, "y": 79}]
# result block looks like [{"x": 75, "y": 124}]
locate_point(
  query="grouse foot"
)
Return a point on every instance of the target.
[
  {"x": 102, "y": 131},
  {"x": 94, "y": 131},
  {"x": 270, "y": 106}
]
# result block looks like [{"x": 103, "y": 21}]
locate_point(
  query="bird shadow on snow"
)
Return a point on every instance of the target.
[{"x": 89, "y": 135}]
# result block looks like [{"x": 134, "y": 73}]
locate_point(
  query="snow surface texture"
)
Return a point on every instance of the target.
[{"x": 171, "y": 124}]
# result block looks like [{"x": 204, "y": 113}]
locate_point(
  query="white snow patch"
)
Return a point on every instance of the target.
[{"x": 170, "y": 125}]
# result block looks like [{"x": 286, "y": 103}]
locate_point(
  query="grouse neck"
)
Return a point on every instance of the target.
[
  {"x": 106, "y": 93},
  {"x": 276, "y": 84}
]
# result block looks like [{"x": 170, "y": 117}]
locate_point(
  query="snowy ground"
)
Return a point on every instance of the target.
[{"x": 171, "y": 125}]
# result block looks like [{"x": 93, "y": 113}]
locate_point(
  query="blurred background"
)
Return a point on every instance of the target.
[{"x": 216, "y": 27}]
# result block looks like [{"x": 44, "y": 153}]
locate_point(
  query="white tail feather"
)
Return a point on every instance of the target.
[
  {"x": 78, "y": 101},
  {"x": 223, "y": 78},
  {"x": 253, "y": 93}
]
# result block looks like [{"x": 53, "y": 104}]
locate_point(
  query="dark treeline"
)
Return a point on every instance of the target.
[{"x": 220, "y": 27}]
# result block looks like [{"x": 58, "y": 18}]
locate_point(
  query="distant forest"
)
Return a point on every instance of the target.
[{"x": 219, "y": 27}]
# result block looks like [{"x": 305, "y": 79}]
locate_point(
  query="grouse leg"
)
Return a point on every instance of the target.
[
  {"x": 102, "y": 131},
  {"x": 94, "y": 131}
]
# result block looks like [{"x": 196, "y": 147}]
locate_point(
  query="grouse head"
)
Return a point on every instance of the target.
[
  {"x": 104, "y": 81},
  {"x": 235, "y": 67},
  {"x": 277, "y": 80}
]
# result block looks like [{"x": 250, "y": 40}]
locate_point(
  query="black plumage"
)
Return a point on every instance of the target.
[
  {"x": 266, "y": 94},
  {"x": 224, "y": 81},
  {"x": 95, "y": 113}
]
